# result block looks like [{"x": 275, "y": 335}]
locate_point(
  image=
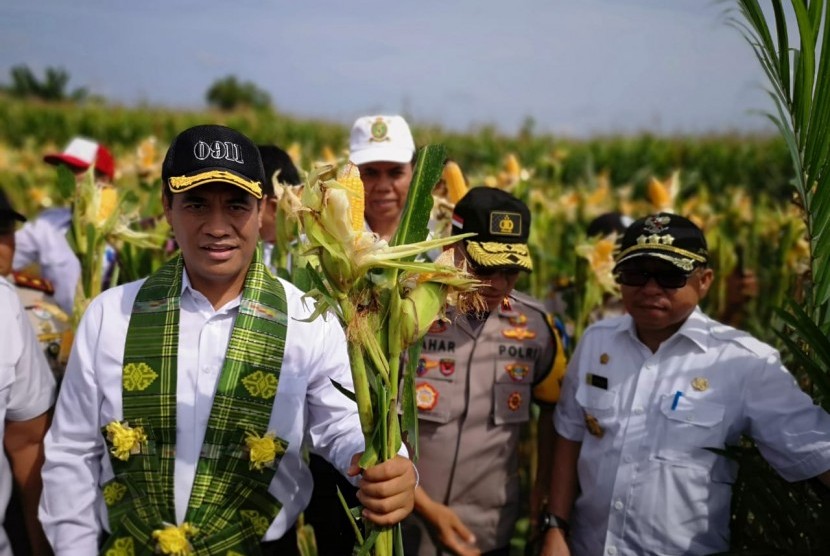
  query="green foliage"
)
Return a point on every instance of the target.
[
  {"x": 52, "y": 88},
  {"x": 229, "y": 93},
  {"x": 768, "y": 516}
]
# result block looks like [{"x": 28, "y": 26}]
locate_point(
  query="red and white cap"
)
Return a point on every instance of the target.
[{"x": 81, "y": 153}]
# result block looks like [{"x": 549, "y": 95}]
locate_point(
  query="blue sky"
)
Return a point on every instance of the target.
[{"x": 577, "y": 67}]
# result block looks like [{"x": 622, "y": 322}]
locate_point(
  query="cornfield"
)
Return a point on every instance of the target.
[{"x": 738, "y": 189}]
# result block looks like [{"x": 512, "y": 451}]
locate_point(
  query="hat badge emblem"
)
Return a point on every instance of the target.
[
  {"x": 379, "y": 131},
  {"x": 506, "y": 225},
  {"x": 656, "y": 224}
]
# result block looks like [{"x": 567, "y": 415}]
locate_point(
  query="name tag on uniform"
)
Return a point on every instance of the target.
[{"x": 597, "y": 380}]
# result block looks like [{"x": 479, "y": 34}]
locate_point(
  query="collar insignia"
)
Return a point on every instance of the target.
[{"x": 700, "y": 384}]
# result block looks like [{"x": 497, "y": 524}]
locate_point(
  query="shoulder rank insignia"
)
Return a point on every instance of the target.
[
  {"x": 514, "y": 401},
  {"x": 33, "y": 283},
  {"x": 517, "y": 371},
  {"x": 593, "y": 426},
  {"x": 426, "y": 396},
  {"x": 700, "y": 384},
  {"x": 446, "y": 366},
  {"x": 518, "y": 334}
]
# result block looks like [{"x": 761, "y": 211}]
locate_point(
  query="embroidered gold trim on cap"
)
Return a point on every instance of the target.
[
  {"x": 662, "y": 247},
  {"x": 178, "y": 184},
  {"x": 494, "y": 254}
]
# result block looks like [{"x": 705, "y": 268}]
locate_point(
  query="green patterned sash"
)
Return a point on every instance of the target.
[{"x": 230, "y": 507}]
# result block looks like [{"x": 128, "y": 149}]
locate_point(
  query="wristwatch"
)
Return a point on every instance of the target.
[{"x": 550, "y": 521}]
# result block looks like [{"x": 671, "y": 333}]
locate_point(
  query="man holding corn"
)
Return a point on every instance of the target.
[
  {"x": 188, "y": 394},
  {"x": 476, "y": 377}
]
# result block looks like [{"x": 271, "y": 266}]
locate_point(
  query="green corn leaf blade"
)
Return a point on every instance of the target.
[
  {"x": 415, "y": 218},
  {"x": 369, "y": 543},
  {"x": 66, "y": 182},
  {"x": 397, "y": 538},
  {"x": 409, "y": 409},
  {"x": 343, "y": 390}
]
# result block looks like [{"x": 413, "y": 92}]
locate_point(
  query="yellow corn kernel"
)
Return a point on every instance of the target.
[
  {"x": 456, "y": 186},
  {"x": 349, "y": 178},
  {"x": 109, "y": 200}
]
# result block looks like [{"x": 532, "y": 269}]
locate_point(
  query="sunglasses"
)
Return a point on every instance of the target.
[
  {"x": 488, "y": 272},
  {"x": 665, "y": 279}
]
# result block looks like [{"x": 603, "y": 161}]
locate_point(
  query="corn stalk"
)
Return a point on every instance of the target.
[
  {"x": 100, "y": 216},
  {"x": 385, "y": 300}
]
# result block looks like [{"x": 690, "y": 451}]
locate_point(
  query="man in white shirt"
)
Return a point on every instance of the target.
[
  {"x": 648, "y": 392},
  {"x": 187, "y": 396},
  {"x": 27, "y": 392}
]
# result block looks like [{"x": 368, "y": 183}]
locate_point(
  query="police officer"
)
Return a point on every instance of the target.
[
  {"x": 475, "y": 382},
  {"x": 48, "y": 320}
]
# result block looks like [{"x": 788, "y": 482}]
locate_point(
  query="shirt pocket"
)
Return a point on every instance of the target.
[
  {"x": 686, "y": 428},
  {"x": 599, "y": 407},
  {"x": 433, "y": 398}
]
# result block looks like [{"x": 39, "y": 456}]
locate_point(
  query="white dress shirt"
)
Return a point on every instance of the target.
[
  {"x": 27, "y": 388},
  {"x": 649, "y": 486},
  {"x": 306, "y": 405},
  {"x": 42, "y": 241}
]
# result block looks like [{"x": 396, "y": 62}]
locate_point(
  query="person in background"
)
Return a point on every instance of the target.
[
  {"x": 649, "y": 392},
  {"x": 383, "y": 149},
  {"x": 27, "y": 392},
  {"x": 42, "y": 241},
  {"x": 188, "y": 395},
  {"x": 476, "y": 377},
  {"x": 279, "y": 168},
  {"x": 46, "y": 318}
]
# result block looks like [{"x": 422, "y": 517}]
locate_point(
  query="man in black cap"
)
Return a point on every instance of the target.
[
  {"x": 648, "y": 392},
  {"x": 188, "y": 395},
  {"x": 475, "y": 381}
]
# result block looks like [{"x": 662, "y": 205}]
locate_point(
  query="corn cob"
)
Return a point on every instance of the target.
[
  {"x": 658, "y": 194},
  {"x": 349, "y": 178},
  {"x": 456, "y": 186},
  {"x": 512, "y": 167}
]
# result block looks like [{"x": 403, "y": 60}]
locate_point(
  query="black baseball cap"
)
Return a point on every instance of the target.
[
  {"x": 213, "y": 153},
  {"x": 502, "y": 224},
  {"x": 274, "y": 160},
  {"x": 665, "y": 236},
  {"x": 7, "y": 212}
]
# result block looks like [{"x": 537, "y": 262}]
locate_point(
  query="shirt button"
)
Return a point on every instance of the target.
[
  {"x": 612, "y": 550},
  {"x": 638, "y": 410},
  {"x": 618, "y": 505},
  {"x": 628, "y": 459},
  {"x": 205, "y": 369}
]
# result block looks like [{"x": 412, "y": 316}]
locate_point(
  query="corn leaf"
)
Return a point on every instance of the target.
[{"x": 414, "y": 225}]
